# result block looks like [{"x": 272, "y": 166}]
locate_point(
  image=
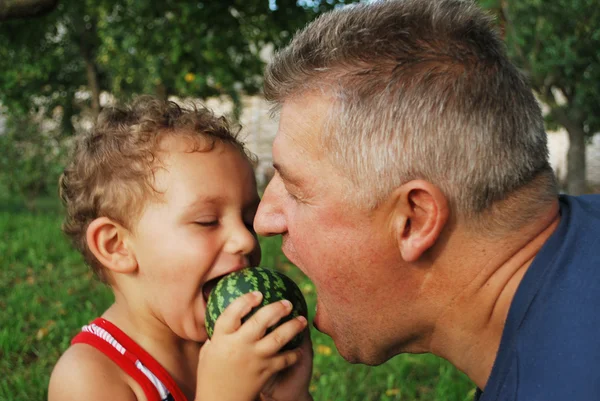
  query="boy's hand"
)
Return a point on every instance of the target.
[
  {"x": 292, "y": 383},
  {"x": 239, "y": 359}
]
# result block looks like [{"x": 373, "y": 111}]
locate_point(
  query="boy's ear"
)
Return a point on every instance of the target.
[
  {"x": 108, "y": 241},
  {"x": 420, "y": 214}
]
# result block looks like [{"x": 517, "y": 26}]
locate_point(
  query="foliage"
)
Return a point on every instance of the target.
[
  {"x": 42, "y": 63},
  {"x": 10, "y": 9},
  {"x": 56, "y": 67},
  {"x": 47, "y": 294},
  {"x": 124, "y": 47},
  {"x": 557, "y": 44},
  {"x": 31, "y": 161}
]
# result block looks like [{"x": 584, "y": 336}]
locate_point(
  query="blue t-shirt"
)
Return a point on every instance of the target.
[{"x": 550, "y": 347}]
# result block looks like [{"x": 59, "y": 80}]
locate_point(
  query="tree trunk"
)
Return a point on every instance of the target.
[
  {"x": 10, "y": 9},
  {"x": 576, "y": 170},
  {"x": 68, "y": 111},
  {"x": 93, "y": 84},
  {"x": 162, "y": 92},
  {"x": 87, "y": 48}
]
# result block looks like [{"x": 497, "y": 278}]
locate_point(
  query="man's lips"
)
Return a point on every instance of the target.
[
  {"x": 317, "y": 316},
  {"x": 291, "y": 259},
  {"x": 289, "y": 255}
]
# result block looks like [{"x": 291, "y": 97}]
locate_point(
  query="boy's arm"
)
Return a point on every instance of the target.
[
  {"x": 306, "y": 397},
  {"x": 82, "y": 373},
  {"x": 293, "y": 383},
  {"x": 250, "y": 355}
]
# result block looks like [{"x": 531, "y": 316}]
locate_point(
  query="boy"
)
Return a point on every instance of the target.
[{"x": 160, "y": 200}]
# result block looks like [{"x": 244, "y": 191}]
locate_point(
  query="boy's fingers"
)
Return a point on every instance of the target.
[
  {"x": 282, "y": 335},
  {"x": 284, "y": 360},
  {"x": 256, "y": 327},
  {"x": 204, "y": 348},
  {"x": 306, "y": 345},
  {"x": 231, "y": 318}
]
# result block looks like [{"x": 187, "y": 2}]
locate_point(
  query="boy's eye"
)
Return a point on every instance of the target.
[{"x": 208, "y": 223}]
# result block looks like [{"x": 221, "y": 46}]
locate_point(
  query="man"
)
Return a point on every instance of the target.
[{"x": 414, "y": 190}]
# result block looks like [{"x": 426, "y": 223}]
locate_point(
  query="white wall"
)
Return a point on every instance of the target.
[
  {"x": 558, "y": 145},
  {"x": 259, "y": 129}
]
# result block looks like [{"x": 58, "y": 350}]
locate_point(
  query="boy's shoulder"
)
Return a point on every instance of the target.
[{"x": 83, "y": 372}]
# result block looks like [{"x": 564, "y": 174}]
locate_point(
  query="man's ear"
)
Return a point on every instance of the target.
[
  {"x": 108, "y": 241},
  {"x": 421, "y": 212}
]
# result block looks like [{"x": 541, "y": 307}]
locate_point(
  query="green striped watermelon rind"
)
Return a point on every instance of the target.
[{"x": 274, "y": 286}]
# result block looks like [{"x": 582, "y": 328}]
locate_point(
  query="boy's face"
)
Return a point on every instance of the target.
[{"x": 200, "y": 228}]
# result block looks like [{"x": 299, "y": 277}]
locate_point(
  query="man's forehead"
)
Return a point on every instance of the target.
[{"x": 301, "y": 124}]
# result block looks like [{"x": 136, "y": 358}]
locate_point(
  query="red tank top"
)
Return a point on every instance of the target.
[{"x": 157, "y": 384}]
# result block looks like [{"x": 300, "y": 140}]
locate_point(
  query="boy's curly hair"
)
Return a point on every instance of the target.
[{"x": 111, "y": 170}]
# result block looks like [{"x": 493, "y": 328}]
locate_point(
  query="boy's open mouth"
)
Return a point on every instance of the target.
[{"x": 209, "y": 286}]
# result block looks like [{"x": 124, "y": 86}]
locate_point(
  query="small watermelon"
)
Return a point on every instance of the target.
[{"x": 274, "y": 286}]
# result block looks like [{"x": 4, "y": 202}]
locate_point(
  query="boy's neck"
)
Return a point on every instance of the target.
[{"x": 177, "y": 356}]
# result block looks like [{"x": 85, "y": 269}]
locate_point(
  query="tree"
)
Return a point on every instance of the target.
[
  {"x": 31, "y": 160},
  {"x": 199, "y": 49},
  {"x": 47, "y": 61},
  {"x": 10, "y": 9},
  {"x": 125, "y": 47},
  {"x": 557, "y": 43},
  {"x": 59, "y": 64}
]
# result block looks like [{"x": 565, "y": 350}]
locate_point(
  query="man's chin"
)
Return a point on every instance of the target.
[
  {"x": 357, "y": 354},
  {"x": 361, "y": 358}
]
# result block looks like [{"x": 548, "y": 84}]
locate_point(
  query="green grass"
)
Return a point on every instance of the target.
[{"x": 47, "y": 294}]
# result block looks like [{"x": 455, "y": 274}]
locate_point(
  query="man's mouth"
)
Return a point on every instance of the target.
[{"x": 316, "y": 317}]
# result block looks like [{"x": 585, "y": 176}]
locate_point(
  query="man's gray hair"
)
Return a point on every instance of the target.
[{"x": 422, "y": 89}]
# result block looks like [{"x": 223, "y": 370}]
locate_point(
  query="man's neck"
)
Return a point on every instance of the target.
[{"x": 469, "y": 331}]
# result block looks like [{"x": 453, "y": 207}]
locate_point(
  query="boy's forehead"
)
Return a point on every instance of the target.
[
  {"x": 183, "y": 171},
  {"x": 184, "y": 142}
]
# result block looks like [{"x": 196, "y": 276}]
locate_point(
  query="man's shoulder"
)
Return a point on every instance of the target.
[
  {"x": 83, "y": 372},
  {"x": 550, "y": 349},
  {"x": 583, "y": 205},
  {"x": 577, "y": 238},
  {"x": 549, "y": 367}
]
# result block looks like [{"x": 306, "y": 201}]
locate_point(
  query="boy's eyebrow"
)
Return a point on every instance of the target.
[
  {"x": 206, "y": 200},
  {"x": 217, "y": 200}
]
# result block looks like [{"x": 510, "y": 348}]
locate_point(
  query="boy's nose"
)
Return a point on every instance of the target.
[
  {"x": 270, "y": 219},
  {"x": 241, "y": 241}
]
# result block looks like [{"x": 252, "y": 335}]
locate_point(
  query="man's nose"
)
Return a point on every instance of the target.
[{"x": 270, "y": 218}]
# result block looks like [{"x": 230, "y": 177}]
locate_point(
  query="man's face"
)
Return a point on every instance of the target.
[{"x": 365, "y": 292}]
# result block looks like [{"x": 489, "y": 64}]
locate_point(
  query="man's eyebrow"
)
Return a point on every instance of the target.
[{"x": 284, "y": 173}]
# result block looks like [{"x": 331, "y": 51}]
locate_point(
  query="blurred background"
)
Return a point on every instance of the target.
[{"x": 62, "y": 61}]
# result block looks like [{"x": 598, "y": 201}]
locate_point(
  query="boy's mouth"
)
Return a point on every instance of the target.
[{"x": 209, "y": 286}]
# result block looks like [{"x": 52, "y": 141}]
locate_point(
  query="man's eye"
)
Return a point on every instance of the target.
[
  {"x": 295, "y": 194},
  {"x": 294, "y": 197}
]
